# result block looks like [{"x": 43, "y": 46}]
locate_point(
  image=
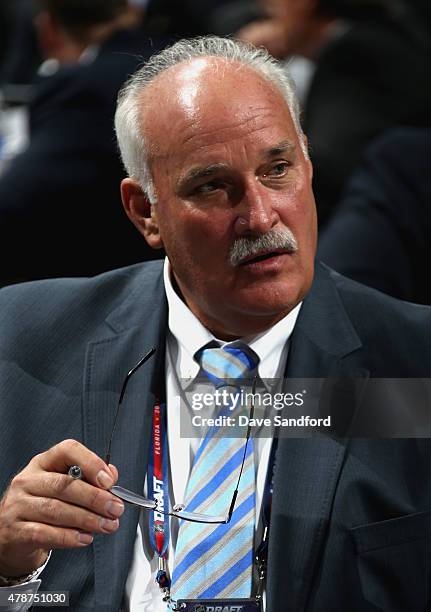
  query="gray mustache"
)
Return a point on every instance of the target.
[{"x": 246, "y": 247}]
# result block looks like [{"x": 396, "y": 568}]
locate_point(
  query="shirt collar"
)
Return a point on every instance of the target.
[
  {"x": 190, "y": 335},
  {"x": 184, "y": 327}
]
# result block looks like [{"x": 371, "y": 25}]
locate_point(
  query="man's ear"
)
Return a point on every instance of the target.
[{"x": 141, "y": 212}]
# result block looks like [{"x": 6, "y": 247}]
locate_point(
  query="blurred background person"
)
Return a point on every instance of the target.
[
  {"x": 369, "y": 71},
  {"x": 60, "y": 208},
  {"x": 380, "y": 235}
]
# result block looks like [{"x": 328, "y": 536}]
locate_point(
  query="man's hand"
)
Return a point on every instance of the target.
[{"x": 45, "y": 508}]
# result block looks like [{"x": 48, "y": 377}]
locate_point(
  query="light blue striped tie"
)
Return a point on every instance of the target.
[{"x": 215, "y": 561}]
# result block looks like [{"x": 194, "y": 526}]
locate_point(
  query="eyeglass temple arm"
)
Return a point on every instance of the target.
[
  {"x": 235, "y": 493},
  {"x": 140, "y": 363}
]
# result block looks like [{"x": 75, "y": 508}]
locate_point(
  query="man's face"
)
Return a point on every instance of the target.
[{"x": 227, "y": 164}]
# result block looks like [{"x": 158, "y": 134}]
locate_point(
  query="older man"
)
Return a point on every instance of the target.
[{"x": 219, "y": 176}]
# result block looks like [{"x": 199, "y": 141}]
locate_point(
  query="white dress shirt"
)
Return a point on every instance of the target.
[{"x": 185, "y": 336}]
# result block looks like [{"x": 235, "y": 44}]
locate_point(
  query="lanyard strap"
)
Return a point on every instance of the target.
[
  {"x": 158, "y": 490},
  {"x": 262, "y": 550}
]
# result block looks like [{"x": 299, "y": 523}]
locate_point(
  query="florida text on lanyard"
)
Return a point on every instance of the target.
[{"x": 159, "y": 529}]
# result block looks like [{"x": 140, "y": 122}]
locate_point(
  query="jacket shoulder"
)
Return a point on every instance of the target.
[
  {"x": 76, "y": 305},
  {"x": 376, "y": 314}
]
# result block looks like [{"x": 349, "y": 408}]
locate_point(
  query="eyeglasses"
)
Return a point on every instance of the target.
[{"x": 177, "y": 510}]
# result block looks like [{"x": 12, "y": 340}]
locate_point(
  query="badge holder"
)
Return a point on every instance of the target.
[{"x": 219, "y": 605}]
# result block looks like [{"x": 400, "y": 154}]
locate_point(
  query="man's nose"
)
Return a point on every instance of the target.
[{"x": 256, "y": 211}]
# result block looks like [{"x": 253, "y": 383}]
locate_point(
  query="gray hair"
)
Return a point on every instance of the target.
[{"x": 131, "y": 141}]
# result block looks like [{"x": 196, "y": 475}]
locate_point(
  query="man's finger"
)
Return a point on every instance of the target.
[
  {"x": 54, "y": 512},
  {"x": 60, "y": 457},
  {"x": 76, "y": 492},
  {"x": 47, "y": 537}
]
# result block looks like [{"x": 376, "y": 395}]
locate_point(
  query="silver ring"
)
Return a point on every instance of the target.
[{"x": 75, "y": 472}]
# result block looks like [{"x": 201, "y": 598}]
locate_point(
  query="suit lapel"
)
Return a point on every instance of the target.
[
  {"x": 107, "y": 362},
  {"x": 307, "y": 469}
]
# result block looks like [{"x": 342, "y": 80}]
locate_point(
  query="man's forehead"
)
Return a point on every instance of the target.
[
  {"x": 206, "y": 97},
  {"x": 186, "y": 82}
]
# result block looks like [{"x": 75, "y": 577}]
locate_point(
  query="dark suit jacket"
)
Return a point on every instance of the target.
[
  {"x": 351, "y": 521},
  {"x": 60, "y": 204},
  {"x": 380, "y": 234}
]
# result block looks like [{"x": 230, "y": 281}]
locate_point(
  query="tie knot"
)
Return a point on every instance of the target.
[{"x": 230, "y": 362}]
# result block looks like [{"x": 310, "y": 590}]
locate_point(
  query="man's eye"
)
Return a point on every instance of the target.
[
  {"x": 209, "y": 187},
  {"x": 278, "y": 170}
]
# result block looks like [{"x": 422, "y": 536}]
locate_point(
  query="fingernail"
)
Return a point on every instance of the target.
[
  {"x": 85, "y": 538},
  {"x": 104, "y": 480},
  {"x": 114, "y": 508},
  {"x": 108, "y": 525}
]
